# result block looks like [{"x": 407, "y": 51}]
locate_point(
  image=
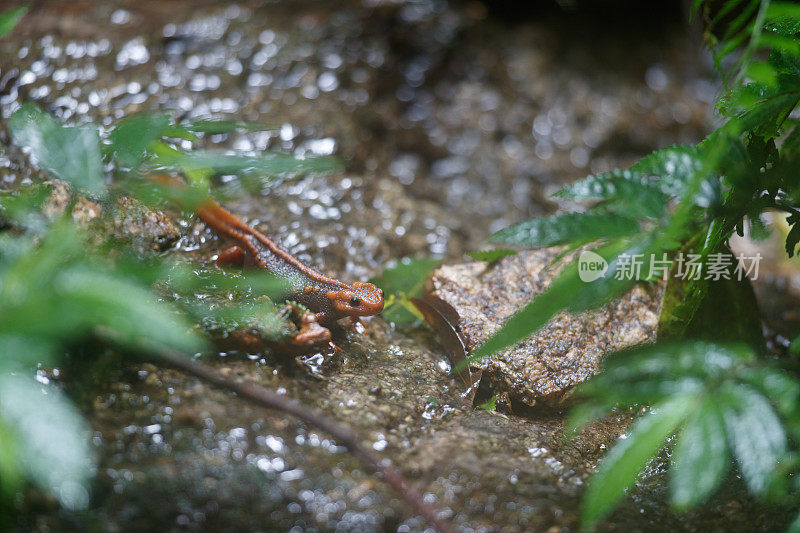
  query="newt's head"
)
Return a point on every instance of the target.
[{"x": 359, "y": 299}]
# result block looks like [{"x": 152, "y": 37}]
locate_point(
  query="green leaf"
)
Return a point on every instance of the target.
[
  {"x": 780, "y": 42},
  {"x": 783, "y": 9},
  {"x": 158, "y": 195},
  {"x": 401, "y": 282},
  {"x": 763, "y": 117},
  {"x": 70, "y": 153},
  {"x": 10, "y": 468},
  {"x": 265, "y": 165},
  {"x": 701, "y": 458},
  {"x": 782, "y": 389},
  {"x": 791, "y": 144},
  {"x": 75, "y": 295},
  {"x": 491, "y": 256},
  {"x": 742, "y": 20},
  {"x": 653, "y": 373},
  {"x": 673, "y": 360},
  {"x": 629, "y": 456},
  {"x": 762, "y": 73},
  {"x": 407, "y": 276},
  {"x": 794, "y": 527},
  {"x": 726, "y": 312},
  {"x": 10, "y": 18},
  {"x": 23, "y": 207},
  {"x": 59, "y": 245},
  {"x": 132, "y": 136},
  {"x": 53, "y": 440},
  {"x": 16, "y": 350},
  {"x": 489, "y": 405},
  {"x": 224, "y": 126},
  {"x": 674, "y": 167},
  {"x": 693, "y": 10},
  {"x": 681, "y": 301},
  {"x": 759, "y": 231},
  {"x": 401, "y": 311},
  {"x": 183, "y": 278},
  {"x": 625, "y": 192},
  {"x": 561, "y": 229},
  {"x": 755, "y": 434},
  {"x": 128, "y": 309}
]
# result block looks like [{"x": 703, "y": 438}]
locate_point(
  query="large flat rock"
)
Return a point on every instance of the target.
[{"x": 567, "y": 351}]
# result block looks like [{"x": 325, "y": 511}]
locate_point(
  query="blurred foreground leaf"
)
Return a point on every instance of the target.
[
  {"x": 629, "y": 456},
  {"x": 10, "y": 18},
  {"x": 132, "y": 136},
  {"x": 224, "y": 126},
  {"x": 723, "y": 404},
  {"x": 56, "y": 293},
  {"x": 701, "y": 457},
  {"x": 47, "y": 438},
  {"x": 71, "y": 153}
]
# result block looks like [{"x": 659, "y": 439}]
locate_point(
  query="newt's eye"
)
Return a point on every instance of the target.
[{"x": 355, "y": 302}]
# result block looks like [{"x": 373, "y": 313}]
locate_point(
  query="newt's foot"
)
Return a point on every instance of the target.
[
  {"x": 232, "y": 256},
  {"x": 310, "y": 332}
]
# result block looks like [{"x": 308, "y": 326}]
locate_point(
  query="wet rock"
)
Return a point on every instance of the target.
[
  {"x": 84, "y": 211},
  {"x": 147, "y": 230},
  {"x": 567, "y": 351}
]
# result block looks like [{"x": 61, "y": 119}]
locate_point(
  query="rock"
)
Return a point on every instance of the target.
[
  {"x": 568, "y": 350},
  {"x": 145, "y": 229},
  {"x": 84, "y": 211}
]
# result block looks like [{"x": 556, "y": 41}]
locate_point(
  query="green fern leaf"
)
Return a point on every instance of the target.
[
  {"x": 629, "y": 456},
  {"x": 491, "y": 256},
  {"x": 567, "y": 228}
]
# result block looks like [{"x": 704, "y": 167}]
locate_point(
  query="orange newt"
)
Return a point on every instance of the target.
[{"x": 327, "y": 298}]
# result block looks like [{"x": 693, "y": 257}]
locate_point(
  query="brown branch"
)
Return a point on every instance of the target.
[{"x": 342, "y": 433}]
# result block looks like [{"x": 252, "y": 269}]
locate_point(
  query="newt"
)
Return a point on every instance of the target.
[{"x": 327, "y": 298}]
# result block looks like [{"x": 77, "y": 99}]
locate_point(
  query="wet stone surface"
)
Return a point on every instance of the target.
[
  {"x": 451, "y": 123},
  {"x": 129, "y": 222},
  {"x": 568, "y": 350}
]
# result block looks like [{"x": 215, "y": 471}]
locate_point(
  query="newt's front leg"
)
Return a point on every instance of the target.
[{"x": 309, "y": 331}]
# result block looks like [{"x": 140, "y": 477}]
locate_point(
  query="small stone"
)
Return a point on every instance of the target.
[{"x": 567, "y": 351}]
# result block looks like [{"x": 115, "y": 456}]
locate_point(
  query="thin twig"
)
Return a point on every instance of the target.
[{"x": 343, "y": 434}]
